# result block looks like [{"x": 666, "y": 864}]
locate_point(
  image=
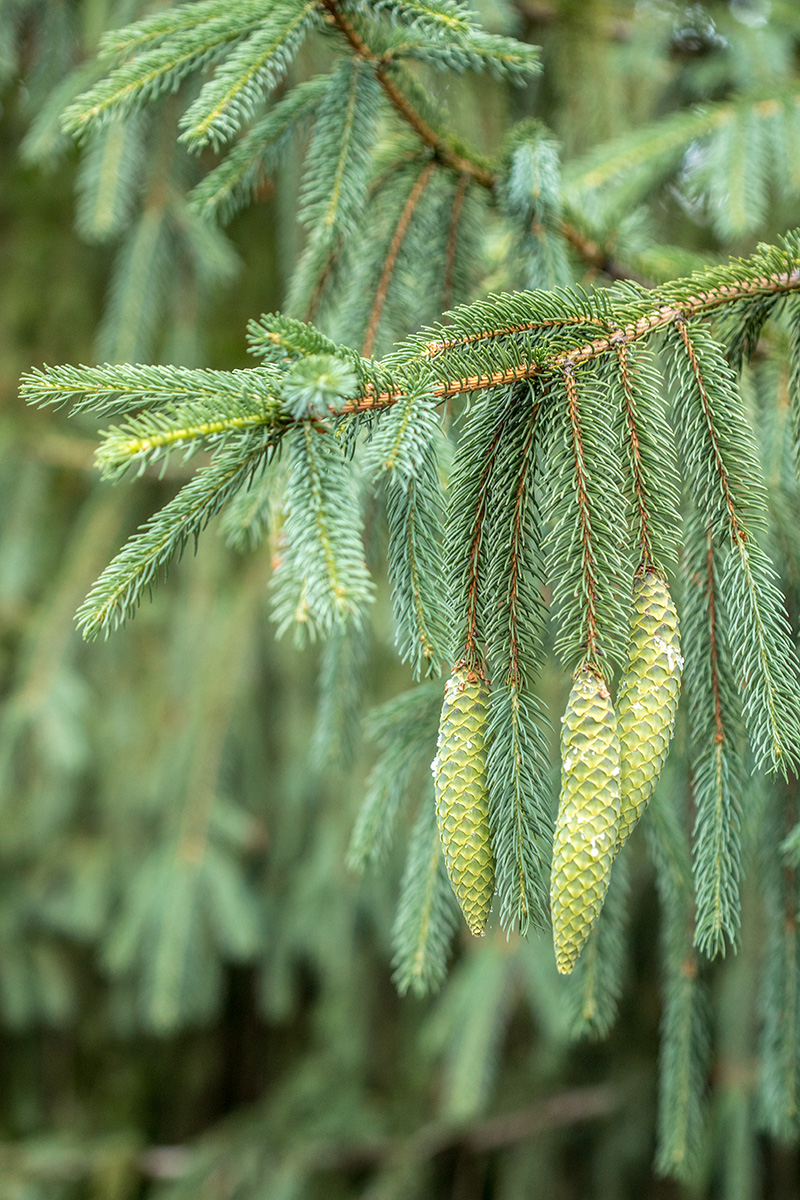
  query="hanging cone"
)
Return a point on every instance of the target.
[
  {"x": 647, "y": 697},
  {"x": 588, "y": 815},
  {"x": 462, "y": 799}
]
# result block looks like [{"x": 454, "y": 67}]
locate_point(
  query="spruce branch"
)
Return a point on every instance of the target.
[
  {"x": 639, "y": 490},
  {"x": 456, "y": 158},
  {"x": 434, "y": 349},
  {"x": 778, "y": 1093},
  {"x": 626, "y": 168},
  {"x": 426, "y": 914},
  {"x": 151, "y": 437},
  {"x": 713, "y": 640},
  {"x": 404, "y": 728},
  {"x": 441, "y": 18},
  {"x": 335, "y": 186},
  {"x": 476, "y": 50},
  {"x": 414, "y": 516},
  {"x": 522, "y": 635},
  {"x": 684, "y": 1051},
  {"x": 520, "y": 805},
  {"x": 157, "y": 28},
  {"x": 230, "y": 186},
  {"x": 635, "y": 319},
  {"x": 765, "y": 657},
  {"x": 114, "y": 389},
  {"x": 719, "y": 463},
  {"x": 163, "y": 65},
  {"x": 108, "y": 184},
  {"x": 596, "y": 984}
]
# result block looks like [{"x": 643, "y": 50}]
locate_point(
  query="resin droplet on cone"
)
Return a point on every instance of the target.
[
  {"x": 462, "y": 798},
  {"x": 588, "y": 816},
  {"x": 647, "y": 697}
]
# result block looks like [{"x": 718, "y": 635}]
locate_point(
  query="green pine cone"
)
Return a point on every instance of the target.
[
  {"x": 462, "y": 798},
  {"x": 588, "y": 815},
  {"x": 647, "y": 697}
]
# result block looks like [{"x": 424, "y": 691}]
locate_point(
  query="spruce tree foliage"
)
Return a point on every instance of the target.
[{"x": 536, "y": 456}]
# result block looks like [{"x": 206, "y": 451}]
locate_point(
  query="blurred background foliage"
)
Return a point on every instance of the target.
[{"x": 195, "y": 993}]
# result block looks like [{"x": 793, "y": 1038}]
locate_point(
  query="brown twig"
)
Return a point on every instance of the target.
[
  {"x": 391, "y": 258},
  {"x": 597, "y": 256},
  {"x": 576, "y": 1106},
  {"x": 661, "y": 317},
  {"x": 573, "y": 1107},
  {"x": 434, "y": 349},
  {"x": 441, "y": 148},
  {"x": 452, "y": 239}
]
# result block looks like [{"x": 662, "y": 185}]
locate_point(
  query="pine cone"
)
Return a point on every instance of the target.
[
  {"x": 588, "y": 815},
  {"x": 647, "y": 698},
  {"x": 462, "y": 799}
]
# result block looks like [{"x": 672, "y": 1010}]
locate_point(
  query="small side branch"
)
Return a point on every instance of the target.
[
  {"x": 639, "y": 490},
  {"x": 711, "y": 597},
  {"x": 598, "y": 256},
  {"x": 737, "y": 531},
  {"x": 589, "y": 559},
  {"x": 517, "y": 551},
  {"x": 434, "y": 349},
  {"x": 452, "y": 239},
  {"x": 443, "y": 151},
  {"x": 395, "y": 247},
  {"x": 471, "y": 655}
]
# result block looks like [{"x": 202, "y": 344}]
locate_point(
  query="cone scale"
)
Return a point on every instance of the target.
[
  {"x": 462, "y": 799},
  {"x": 647, "y": 697},
  {"x": 588, "y": 816}
]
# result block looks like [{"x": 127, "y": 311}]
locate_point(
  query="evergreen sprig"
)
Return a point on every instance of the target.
[
  {"x": 564, "y": 480},
  {"x": 583, "y": 486},
  {"x": 233, "y": 184},
  {"x": 405, "y": 731},
  {"x": 427, "y": 912},
  {"x": 158, "y": 62},
  {"x": 723, "y": 470},
  {"x": 321, "y": 581},
  {"x": 248, "y": 75},
  {"x": 117, "y": 592},
  {"x": 335, "y": 186},
  {"x": 519, "y": 796},
  {"x": 414, "y": 516},
  {"x": 716, "y": 731}
]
